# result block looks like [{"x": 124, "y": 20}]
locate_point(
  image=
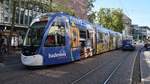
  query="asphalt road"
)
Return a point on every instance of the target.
[{"x": 114, "y": 67}]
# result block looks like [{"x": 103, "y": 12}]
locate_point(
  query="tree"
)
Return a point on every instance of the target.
[
  {"x": 92, "y": 17},
  {"x": 111, "y": 18},
  {"x": 90, "y": 5},
  {"x": 91, "y": 14},
  {"x": 117, "y": 22},
  {"x": 56, "y": 7}
]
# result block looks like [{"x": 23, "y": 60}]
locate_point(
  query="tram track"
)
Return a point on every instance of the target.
[
  {"x": 116, "y": 68},
  {"x": 100, "y": 67},
  {"x": 94, "y": 70}
]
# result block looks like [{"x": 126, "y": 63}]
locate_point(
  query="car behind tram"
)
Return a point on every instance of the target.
[
  {"x": 57, "y": 38},
  {"x": 128, "y": 44}
]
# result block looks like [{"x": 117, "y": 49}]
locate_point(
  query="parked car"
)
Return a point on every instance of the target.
[{"x": 128, "y": 45}]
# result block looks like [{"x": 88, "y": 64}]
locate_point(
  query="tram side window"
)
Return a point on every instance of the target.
[
  {"x": 88, "y": 36},
  {"x": 56, "y": 34},
  {"x": 100, "y": 39},
  {"x": 105, "y": 38},
  {"x": 82, "y": 34}
]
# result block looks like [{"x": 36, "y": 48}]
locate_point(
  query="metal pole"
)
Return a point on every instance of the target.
[
  {"x": 28, "y": 14},
  {"x": 24, "y": 13},
  {"x": 51, "y": 1},
  {"x": 20, "y": 7}
]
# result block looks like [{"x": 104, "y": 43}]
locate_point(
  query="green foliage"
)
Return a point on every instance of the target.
[
  {"x": 92, "y": 16},
  {"x": 47, "y": 7},
  {"x": 56, "y": 7},
  {"x": 90, "y": 4},
  {"x": 66, "y": 1},
  {"x": 111, "y": 18}
]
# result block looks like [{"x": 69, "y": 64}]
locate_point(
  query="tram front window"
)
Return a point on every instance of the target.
[
  {"x": 34, "y": 34},
  {"x": 33, "y": 38}
]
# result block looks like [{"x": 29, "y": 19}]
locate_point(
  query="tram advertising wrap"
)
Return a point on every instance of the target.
[{"x": 57, "y": 38}]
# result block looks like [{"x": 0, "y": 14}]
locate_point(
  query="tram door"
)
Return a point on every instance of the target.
[
  {"x": 111, "y": 41},
  {"x": 55, "y": 47},
  {"x": 93, "y": 45},
  {"x": 117, "y": 41},
  {"x": 86, "y": 41},
  {"x": 74, "y": 34},
  {"x": 82, "y": 43}
]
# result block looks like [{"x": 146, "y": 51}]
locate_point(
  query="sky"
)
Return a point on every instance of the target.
[{"x": 137, "y": 10}]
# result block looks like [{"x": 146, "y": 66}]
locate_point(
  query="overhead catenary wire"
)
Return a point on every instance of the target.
[{"x": 123, "y": 7}]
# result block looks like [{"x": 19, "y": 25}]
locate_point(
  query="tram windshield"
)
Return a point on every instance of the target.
[{"x": 34, "y": 34}]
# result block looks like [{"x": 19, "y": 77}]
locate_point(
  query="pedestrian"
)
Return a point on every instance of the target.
[
  {"x": 5, "y": 44},
  {"x": 1, "y": 48}
]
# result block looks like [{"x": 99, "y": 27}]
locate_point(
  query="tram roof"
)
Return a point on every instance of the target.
[
  {"x": 83, "y": 24},
  {"x": 100, "y": 28}
]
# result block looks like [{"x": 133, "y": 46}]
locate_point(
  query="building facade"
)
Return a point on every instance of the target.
[
  {"x": 140, "y": 32},
  {"x": 26, "y": 10},
  {"x": 127, "y": 25},
  {"x": 79, "y": 6},
  {"x": 136, "y": 32},
  {"x": 145, "y": 30}
]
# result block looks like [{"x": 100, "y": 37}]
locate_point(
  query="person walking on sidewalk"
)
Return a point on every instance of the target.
[{"x": 1, "y": 48}]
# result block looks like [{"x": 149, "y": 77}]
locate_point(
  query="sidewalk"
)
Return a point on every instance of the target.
[
  {"x": 13, "y": 58},
  {"x": 145, "y": 67}
]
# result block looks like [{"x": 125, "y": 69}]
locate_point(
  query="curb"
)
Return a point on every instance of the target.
[
  {"x": 136, "y": 54},
  {"x": 142, "y": 80}
]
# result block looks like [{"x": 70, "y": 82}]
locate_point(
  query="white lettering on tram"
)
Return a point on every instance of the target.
[{"x": 59, "y": 54}]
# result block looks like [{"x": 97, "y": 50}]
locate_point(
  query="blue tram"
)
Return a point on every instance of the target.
[{"x": 56, "y": 38}]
